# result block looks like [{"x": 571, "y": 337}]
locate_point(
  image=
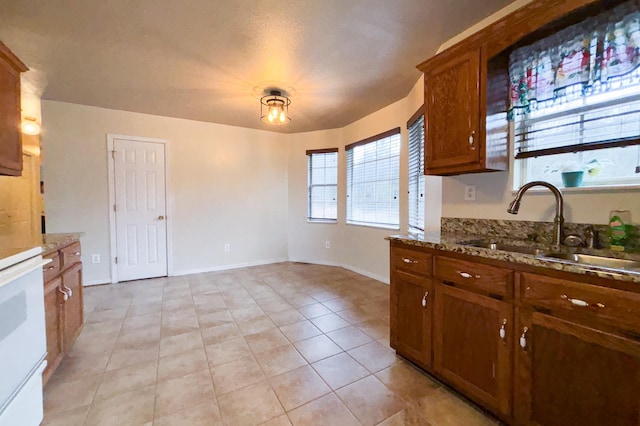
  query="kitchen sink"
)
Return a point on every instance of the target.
[
  {"x": 503, "y": 247},
  {"x": 591, "y": 260}
]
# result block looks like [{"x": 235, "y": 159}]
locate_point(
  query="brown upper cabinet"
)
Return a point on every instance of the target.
[
  {"x": 10, "y": 134},
  {"x": 467, "y": 87}
]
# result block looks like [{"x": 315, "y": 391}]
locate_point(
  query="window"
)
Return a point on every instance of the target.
[
  {"x": 322, "y": 178},
  {"x": 373, "y": 168},
  {"x": 575, "y": 103},
  {"x": 416, "y": 171}
]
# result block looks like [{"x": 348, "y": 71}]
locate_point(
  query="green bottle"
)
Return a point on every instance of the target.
[{"x": 619, "y": 222}]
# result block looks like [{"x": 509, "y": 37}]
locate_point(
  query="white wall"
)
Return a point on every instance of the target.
[{"x": 226, "y": 185}]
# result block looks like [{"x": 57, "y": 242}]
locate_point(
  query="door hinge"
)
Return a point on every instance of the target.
[
  {"x": 114, "y": 208},
  {"x": 113, "y": 155},
  {"x": 116, "y": 260}
]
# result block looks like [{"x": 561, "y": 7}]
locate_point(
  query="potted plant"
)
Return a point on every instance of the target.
[{"x": 572, "y": 172}]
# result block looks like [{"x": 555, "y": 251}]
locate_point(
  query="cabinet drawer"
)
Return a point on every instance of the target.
[
  {"x": 70, "y": 254},
  {"x": 414, "y": 261},
  {"x": 618, "y": 307},
  {"x": 489, "y": 279},
  {"x": 51, "y": 270}
]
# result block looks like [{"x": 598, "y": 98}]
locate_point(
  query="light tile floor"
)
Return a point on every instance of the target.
[{"x": 279, "y": 344}]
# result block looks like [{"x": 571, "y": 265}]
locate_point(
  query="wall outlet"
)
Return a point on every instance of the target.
[
  {"x": 227, "y": 247},
  {"x": 327, "y": 244},
  {"x": 469, "y": 192},
  {"x": 95, "y": 258}
]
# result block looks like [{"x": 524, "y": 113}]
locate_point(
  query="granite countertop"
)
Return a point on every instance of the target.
[
  {"x": 52, "y": 242},
  {"x": 451, "y": 242}
]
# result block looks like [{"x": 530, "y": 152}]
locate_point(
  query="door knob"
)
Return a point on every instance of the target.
[{"x": 160, "y": 217}]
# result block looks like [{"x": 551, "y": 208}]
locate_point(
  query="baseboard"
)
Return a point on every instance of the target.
[
  {"x": 227, "y": 267},
  {"x": 95, "y": 282},
  {"x": 368, "y": 274}
]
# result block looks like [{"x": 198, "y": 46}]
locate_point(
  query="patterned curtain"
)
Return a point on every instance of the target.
[{"x": 583, "y": 59}]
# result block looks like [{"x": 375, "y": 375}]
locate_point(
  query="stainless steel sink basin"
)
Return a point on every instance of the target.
[
  {"x": 590, "y": 260},
  {"x": 503, "y": 247}
]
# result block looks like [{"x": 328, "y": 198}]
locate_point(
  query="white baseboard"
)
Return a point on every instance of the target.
[
  {"x": 368, "y": 274},
  {"x": 227, "y": 267},
  {"x": 95, "y": 282}
]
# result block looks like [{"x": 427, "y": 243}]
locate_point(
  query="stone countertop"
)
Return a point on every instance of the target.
[
  {"x": 53, "y": 242},
  {"x": 451, "y": 242}
]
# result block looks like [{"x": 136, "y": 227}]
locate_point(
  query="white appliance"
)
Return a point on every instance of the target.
[{"x": 23, "y": 345}]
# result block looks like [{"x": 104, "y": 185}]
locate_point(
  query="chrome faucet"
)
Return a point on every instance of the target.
[{"x": 558, "y": 221}]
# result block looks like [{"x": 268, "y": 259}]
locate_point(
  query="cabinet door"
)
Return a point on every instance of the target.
[
  {"x": 411, "y": 313},
  {"x": 73, "y": 307},
  {"x": 469, "y": 349},
  {"x": 53, "y": 320},
  {"x": 452, "y": 115},
  {"x": 10, "y": 142},
  {"x": 568, "y": 374}
]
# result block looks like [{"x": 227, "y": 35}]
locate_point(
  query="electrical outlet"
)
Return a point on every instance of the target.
[
  {"x": 327, "y": 244},
  {"x": 95, "y": 258},
  {"x": 227, "y": 247},
  {"x": 469, "y": 192}
]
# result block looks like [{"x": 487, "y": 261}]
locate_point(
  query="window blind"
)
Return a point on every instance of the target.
[
  {"x": 416, "y": 173},
  {"x": 579, "y": 89},
  {"x": 373, "y": 169},
  {"x": 322, "y": 179}
]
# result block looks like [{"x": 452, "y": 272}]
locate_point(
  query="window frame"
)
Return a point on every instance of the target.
[
  {"x": 415, "y": 214},
  {"x": 349, "y": 149},
  {"x": 310, "y": 155}
]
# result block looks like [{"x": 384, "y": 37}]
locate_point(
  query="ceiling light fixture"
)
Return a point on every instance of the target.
[
  {"x": 274, "y": 107},
  {"x": 30, "y": 126}
]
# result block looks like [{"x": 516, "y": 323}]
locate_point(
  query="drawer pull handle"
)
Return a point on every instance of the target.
[
  {"x": 424, "y": 299},
  {"x": 407, "y": 260},
  {"x": 523, "y": 338},
  {"x": 51, "y": 268},
  {"x": 467, "y": 275},
  {"x": 503, "y": 330},
  {"x": 65, "y": 296},
  {"x": 67, "y": 290},
  {"x": 581, "y": 303},
  {"x": 76, "y": 253}
]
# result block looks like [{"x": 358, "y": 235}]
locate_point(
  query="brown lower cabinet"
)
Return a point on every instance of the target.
[
  {"x": 469, "y": 351},
  {"x": 64, "y": 307},
  {"x": 534, "y": 349}
]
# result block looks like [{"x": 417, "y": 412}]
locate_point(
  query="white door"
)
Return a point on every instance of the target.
[{"x": 140, "y": 209}]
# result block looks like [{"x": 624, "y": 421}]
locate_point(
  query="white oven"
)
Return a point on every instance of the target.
[{"x": 22, "y": 338}]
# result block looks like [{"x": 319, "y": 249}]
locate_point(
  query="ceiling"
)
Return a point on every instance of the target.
[{"x": 205, "y": 60}]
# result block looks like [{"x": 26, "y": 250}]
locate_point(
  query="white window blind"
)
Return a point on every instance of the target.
[
  {"x": 322, "y": 178},
  {"x": 416, "y": 173},
  {"x": 373, "y": 169}
]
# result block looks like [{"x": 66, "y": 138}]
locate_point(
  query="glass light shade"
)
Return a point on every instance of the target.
[{"x": 274, "y": 108}]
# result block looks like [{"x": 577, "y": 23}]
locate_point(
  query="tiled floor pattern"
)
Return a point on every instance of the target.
[{"x": 278, "y": 344}]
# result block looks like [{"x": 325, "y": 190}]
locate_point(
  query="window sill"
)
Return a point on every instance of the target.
[
  {"x": 324, "y": 221},
  {"x": 584, "y": 189},
  {"x": 370, "y": 225}
]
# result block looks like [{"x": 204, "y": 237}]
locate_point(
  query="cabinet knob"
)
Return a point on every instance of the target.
[
  {"x": 65, "y": 296},
  {"x": 467, "y": 275},
  {"x": 51, "y": 268},
  {"x": 503, "y": 330},
  {"x": 424, "y": 299},
  {"x": 67, "y": 290},
  {"x": 523, "y": 338}
]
